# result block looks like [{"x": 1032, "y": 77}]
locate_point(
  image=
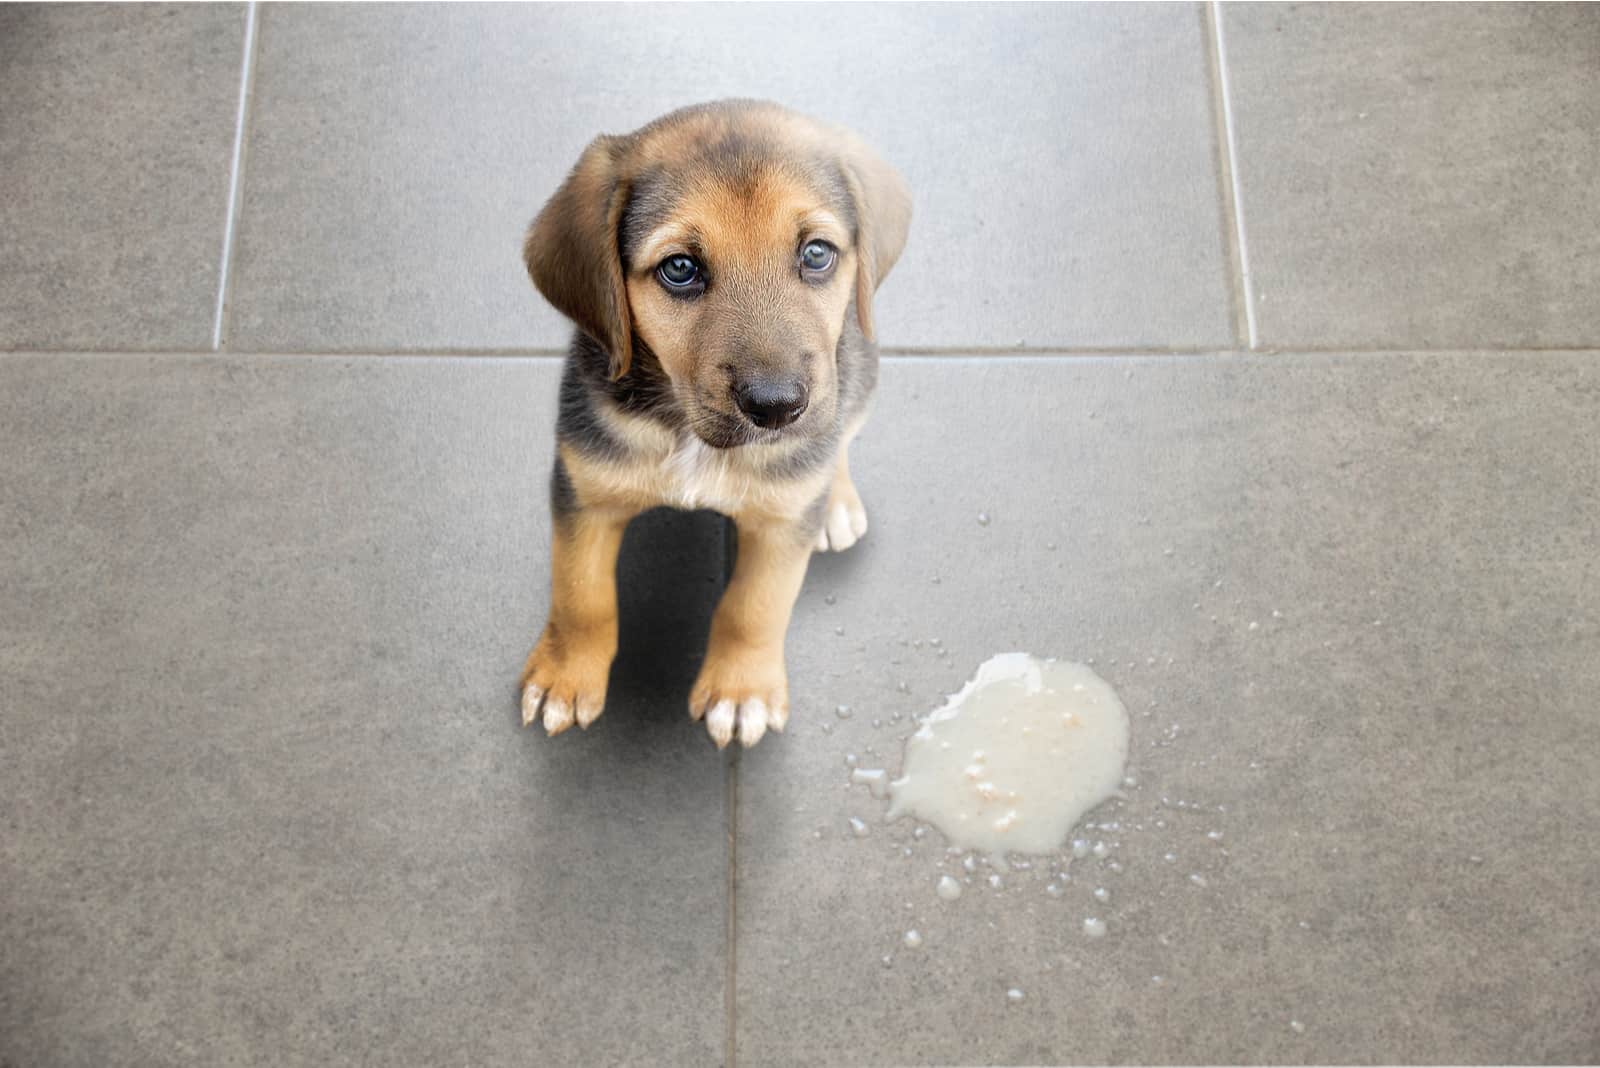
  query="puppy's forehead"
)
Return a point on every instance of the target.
[{"x": 733, "y": 177}]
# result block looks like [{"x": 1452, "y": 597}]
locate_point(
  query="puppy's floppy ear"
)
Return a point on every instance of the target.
[
  {"x": 883, "y": 215},
  {"x": 572, "y": 252}
]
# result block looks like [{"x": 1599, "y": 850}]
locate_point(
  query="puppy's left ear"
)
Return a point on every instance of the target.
[
  {"x": 572, "y": 252},
  {"x": 883, "y": 215}
]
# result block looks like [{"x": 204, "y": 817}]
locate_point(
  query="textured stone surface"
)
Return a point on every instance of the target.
[
  {"x": 116, "y": 135},
  {"x": 1419, "y": 175}
]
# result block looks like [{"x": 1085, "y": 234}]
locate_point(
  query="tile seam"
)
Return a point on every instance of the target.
[
  {"x": 1230, "y": 157},
  {"x": 235, "y": 176}
]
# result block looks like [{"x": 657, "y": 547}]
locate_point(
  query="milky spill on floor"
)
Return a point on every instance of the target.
[{"x": 1013, "y": 762}]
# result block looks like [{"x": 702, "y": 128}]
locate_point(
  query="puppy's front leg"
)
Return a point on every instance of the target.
[
  {"x": 743, "y": 683},
  {"x": 568, "y": 669}
]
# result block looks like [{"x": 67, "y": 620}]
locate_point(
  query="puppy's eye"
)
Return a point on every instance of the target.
[
  {"x": 818, "y": 256},
  {"x": 679, "y": 272}
]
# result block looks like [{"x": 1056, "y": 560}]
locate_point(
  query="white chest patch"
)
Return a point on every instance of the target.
[{"x": 699, "y": 476}]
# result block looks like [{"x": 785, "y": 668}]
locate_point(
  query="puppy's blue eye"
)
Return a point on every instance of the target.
[
  {"x": 678, "y": 272},
  {"x": 818, "y": 256}
]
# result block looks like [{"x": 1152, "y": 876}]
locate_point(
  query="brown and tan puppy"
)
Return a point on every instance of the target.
[{"x": 720, "y": 265}]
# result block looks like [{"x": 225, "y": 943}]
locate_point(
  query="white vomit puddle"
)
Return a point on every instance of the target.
[{"x": 1015, "y": 760}]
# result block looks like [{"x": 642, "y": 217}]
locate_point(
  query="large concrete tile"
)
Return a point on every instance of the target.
[
  {"x": 265, "y": 795},
  {"x": 1419, "y": 174},
  {"x": 1351, "y": 606},
  {"x": 1061, "y": 157},
  {"x": 116, "y": 137}
]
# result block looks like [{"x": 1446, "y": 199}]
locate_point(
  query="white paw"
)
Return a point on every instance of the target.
[
  {"x": 844, "y": 525},
  {"x": 749, "y": 718},
  {"x": 558, "y": 714}
]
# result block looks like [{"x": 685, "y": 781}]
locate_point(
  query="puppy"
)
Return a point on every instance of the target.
[{"x": 720, "y": 265}]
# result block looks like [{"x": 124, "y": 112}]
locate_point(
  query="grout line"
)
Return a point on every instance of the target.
[
  {"x": 730, "y": 548},
  {"x": 1231, "y": 166},
  {"x": 730, "y": 1004},
  {"x": 1225, "y": 200},
  {"x": 247, "y": 67}
]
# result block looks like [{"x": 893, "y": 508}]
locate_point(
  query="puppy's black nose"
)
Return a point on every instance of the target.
[{"x": 772, "y": 402}]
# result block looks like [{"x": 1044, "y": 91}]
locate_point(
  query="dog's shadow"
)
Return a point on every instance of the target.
[{"x": 670, "y": 574}]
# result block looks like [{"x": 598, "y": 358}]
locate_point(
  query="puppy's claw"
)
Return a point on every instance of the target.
[
  {"x": 719, "y": 722},
  {"x": 588, "y": 711},
  {"x": 752, "y": 721},
  {"x": 531, "y": 696},
  {"x": 778, "y": 717},
  {"x": 558, "y": 716}
]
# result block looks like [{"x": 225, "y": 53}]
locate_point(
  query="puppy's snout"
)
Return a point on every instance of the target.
[{"x": 772, "y": 402}]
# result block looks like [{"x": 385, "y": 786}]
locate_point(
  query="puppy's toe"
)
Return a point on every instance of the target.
[
  {"x": 845, "y": 524},
  {"x": 558, "y": 715},
  {"x": 778, "y": 717},
  {"x": 752, "y": 721},
  {"x": 588, "y": 709},
  {"x": 532, "y": 697},
  {"x": 720, "y": 722}
]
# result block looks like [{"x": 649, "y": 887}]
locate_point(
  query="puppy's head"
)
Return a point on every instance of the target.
[{"x": 734, "y": 240}]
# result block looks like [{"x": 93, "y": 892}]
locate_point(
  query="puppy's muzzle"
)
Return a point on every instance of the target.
[{"x": 772, "y": 402}]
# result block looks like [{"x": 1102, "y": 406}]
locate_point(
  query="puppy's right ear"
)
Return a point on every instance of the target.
[{"x": 572, "y": 252}]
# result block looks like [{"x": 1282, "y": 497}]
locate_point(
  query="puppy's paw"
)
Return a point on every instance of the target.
[
  {"x": 743, "y": 694},
  {"x": 564, "y": 683},
  {"x": 845, "y": 521}
]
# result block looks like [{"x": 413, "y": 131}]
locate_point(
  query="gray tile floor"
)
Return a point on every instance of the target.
[{"x": 1261, "y": 334}]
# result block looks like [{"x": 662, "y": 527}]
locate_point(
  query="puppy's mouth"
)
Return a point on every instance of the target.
[{"x": 729, "y": 432}]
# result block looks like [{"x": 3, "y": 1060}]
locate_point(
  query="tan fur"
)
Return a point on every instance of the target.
[{"x": 569, "y": 668}]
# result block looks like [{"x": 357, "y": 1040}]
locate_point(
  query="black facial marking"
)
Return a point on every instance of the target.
[
  {"x": 586, "y": 384},
  {"x": 653, "y": 197}
]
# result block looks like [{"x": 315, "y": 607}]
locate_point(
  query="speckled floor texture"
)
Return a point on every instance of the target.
[{"x": 1262, "y": 338}]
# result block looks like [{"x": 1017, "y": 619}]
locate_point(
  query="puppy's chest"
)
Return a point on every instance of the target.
[{"x": 692, "y": 474}]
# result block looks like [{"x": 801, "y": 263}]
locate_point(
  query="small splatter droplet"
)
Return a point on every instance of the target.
[
  {"x": 842, "y": 711},
  {"x": 1094, "y": 927},
  {"x": 1102, "y": 895},
  {"x": 1014, "y": 995},
  {"x": 912, "y": 939},
  {"x": 983, "y": 519},
  {"x": 1297, "y": 1027},
  {"x": 858, "y": 828}
]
